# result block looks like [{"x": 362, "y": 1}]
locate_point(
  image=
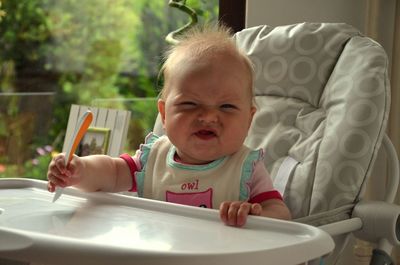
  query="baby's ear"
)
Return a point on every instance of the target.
[
  {"x": 161, "y": 110},
  {"x": 253, "y": 111}
]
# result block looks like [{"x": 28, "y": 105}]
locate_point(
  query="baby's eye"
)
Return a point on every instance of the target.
[
  {"x": 228, "y": 107},
  {"x": 187, "y": 104}
]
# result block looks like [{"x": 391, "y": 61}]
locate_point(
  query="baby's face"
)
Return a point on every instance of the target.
[{"x": 208, "y": 111}]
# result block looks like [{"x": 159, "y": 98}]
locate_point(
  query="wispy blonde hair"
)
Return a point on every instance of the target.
[{"x": 198, "y": 43}]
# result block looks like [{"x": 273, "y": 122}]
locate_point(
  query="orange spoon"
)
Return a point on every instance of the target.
[{"x": 79, "y": 132}]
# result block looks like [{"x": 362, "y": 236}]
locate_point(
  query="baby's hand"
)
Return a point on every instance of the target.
[
  {"x": 235, "y": 213},
  {"x": 60, "y": 175}
]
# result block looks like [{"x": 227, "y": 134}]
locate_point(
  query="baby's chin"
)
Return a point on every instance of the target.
[
  {"x": 198, "y": 154},
  {"x": 201, "y": 159}
]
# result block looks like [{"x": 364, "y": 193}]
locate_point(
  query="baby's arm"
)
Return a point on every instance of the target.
[
  {"x": 235, "y": 213},
  {"x": 90, "y": 173},
  {"x": 275, "y": 208}
]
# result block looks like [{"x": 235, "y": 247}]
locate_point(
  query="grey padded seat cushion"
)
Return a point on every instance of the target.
[{"x": 322, "y": 94}]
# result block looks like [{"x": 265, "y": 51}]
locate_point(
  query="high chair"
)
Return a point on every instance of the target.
[{"x": 322, "y": 96}]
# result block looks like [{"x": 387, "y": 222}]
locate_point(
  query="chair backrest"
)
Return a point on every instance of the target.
[
  {"x": 114, "y": 122},
  {"x": 322, "y": 94}
]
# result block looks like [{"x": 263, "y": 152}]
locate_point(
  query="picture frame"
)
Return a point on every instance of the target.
[{"x": 95, "y": 141}]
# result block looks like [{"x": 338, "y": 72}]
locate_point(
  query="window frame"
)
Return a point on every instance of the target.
[{"x": 233, "y": 14}]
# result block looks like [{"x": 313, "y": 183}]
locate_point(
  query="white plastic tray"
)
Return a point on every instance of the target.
[{"x": 101, "y": 228}]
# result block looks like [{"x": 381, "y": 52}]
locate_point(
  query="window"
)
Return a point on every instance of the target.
[{"x": 56, "y": 53}]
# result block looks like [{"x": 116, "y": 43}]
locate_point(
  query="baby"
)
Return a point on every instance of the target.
[{"x": 206, "y": 107}]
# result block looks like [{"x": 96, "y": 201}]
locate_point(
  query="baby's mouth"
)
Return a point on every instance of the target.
[{"x": 205, "y": 134}]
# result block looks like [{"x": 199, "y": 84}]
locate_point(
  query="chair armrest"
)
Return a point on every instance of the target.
[{"x": 380, "y": 220}]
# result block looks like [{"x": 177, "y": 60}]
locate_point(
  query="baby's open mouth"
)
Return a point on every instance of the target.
[{"x": 205, "y": 134}]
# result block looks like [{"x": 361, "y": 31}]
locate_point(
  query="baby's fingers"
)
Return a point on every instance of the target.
[
  {"x": 223, "y": 211},
  {"x": 255, "y": 209},
  {"x": 57, "y": 173},
  {"x": 59, "y": 163},
  {"x": 242, "y": 214},
  {"x": 234, "y": 213},
  {"x": 51, "y": 186},
  {"x": 57, "y": 179},
  {"x": 228, "y": 212}
]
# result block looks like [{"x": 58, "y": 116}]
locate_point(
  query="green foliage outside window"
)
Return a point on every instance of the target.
[{"x": 75, "y": 52}]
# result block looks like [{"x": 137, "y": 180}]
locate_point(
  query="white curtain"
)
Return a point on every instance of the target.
[
  {"x": 394, "y": 122},
  {"x": 384, "y": 27},
  {"x": 383, "y": 24}
]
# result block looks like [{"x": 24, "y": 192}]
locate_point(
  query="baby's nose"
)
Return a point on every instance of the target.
[{"x": 208, "y": 115}]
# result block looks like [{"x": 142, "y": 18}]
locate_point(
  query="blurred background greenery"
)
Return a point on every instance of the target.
[{"x": 57, "y": 53}]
